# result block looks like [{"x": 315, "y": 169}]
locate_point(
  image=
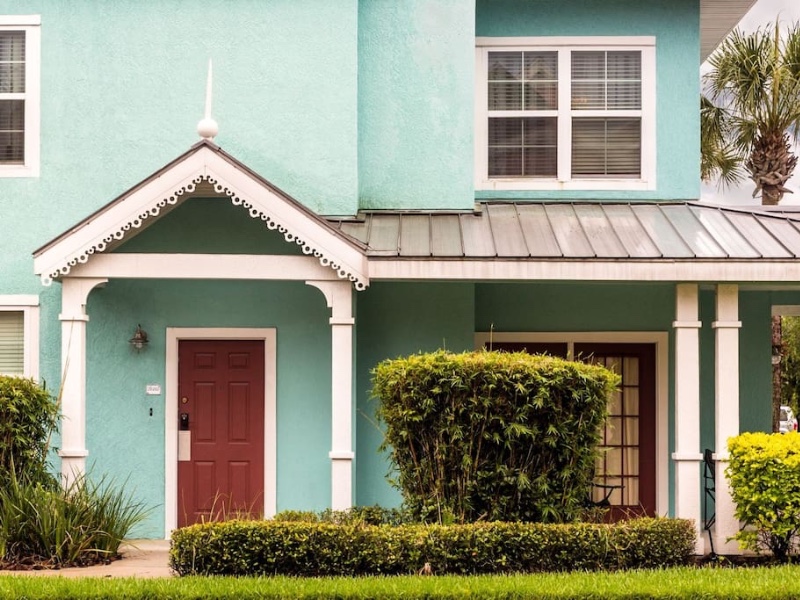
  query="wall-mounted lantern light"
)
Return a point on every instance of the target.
[{"x": 139, "y": 339}]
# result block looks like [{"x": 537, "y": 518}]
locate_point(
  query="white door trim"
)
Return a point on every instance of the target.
[
  {"x": 174, "y": 335},
  {"x": 660, "y": 339}
]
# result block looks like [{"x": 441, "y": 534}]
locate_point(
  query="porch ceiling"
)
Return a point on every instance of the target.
[
  {"x": 681, "y": 231},
  {"x": 717, "y": 19}
]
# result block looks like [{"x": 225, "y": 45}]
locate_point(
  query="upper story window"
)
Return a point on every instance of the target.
[
  {"x": 19, "y": 96},
  {"x": 571, "y": 114}
]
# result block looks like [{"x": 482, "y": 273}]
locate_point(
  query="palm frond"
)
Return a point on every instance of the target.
[{"x": 754, "y": 95}]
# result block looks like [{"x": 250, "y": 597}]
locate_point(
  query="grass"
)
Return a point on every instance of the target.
[{"x": 766, "y": 583}]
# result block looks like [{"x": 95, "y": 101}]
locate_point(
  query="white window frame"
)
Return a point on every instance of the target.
[
  {"x": 564, "y": 45},
  {"x": 268, "y": 335},
  {"x": 28, "y": 305},
  {"x": 31, "y": 25}
]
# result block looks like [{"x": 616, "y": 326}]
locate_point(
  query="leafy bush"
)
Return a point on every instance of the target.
[
  {"x": 358, "y": 515},
  {"x": 324, "y": 549},
  {"x": 81, "y": 524},
  {"x": 492, "y": 435},
  {"x": 764, "y": 474},
  {"x": 28, "y": 415}
]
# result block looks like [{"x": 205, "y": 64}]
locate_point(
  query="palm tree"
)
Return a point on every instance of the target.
[
  {"x": 748, "y": 122},
  {"x": 752, "y": 112}
]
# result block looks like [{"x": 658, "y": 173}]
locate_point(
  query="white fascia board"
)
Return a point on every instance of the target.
[
  {"x": 114, "y": 222},
  {"x": 204, "y": 266},
  {"x": 585, "y": 270}
]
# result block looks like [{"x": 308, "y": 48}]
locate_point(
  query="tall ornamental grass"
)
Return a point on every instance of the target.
[{"x": 81, "y": 524}]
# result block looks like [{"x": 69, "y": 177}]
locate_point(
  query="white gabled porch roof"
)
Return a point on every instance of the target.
[{"x": 203, "y": 165}]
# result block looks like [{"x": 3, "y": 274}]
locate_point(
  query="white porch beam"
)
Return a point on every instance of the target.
[
  {"x": 726, "y": 411},
  {"x": 493, "y": 268},
  {"x": 687, "y": 456},
  {"x": 73, "y": 317},
  {"x": 339, "y": 298},
  {"x": 204, "y": 266}
]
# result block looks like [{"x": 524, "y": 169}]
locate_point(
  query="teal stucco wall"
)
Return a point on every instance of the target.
[
  {"x": 415, "y": 102},
  {"x": 398, "y": 319}
]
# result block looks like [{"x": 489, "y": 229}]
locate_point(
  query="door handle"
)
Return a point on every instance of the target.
[{"x": 184, "y": 424}]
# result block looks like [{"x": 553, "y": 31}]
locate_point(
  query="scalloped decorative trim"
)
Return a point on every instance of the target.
[{"x": 155, "y": 210}]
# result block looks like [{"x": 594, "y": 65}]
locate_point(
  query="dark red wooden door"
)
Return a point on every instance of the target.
[{"x": 221, "y": 404}]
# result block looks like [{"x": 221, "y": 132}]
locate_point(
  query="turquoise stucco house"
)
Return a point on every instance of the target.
[{"x": 373, "y": 178}]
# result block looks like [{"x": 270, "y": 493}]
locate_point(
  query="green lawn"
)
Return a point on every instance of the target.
[{"x": 776, "y": 582}]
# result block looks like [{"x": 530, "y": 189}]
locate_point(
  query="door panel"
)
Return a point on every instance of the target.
[{"x": 221, "y": 391}]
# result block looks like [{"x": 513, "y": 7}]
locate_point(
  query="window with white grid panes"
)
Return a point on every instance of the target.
[
  {"x": 19, "y": 96},
  {"x": 553, "y": 117}
]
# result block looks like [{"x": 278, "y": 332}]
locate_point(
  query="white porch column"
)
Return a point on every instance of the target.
[
  {"x": 726, "y": 411},
  {"x": 339, "y": 297},
  {"x": 687, "y": 454},
  {"x": 73, "y": 317}
]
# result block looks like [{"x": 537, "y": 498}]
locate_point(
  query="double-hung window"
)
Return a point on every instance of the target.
[
  {"x": 19, "y": 335},
  {"x": 565, "y": 113},
  {"x": 19, "y": 96}
]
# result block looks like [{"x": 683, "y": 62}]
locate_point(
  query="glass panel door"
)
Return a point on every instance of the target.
[{"x": 628, "y": 444}]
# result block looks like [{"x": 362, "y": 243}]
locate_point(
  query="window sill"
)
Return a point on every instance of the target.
[{"x": 8, "y": 171}]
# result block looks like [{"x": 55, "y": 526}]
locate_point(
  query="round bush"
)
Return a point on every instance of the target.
[{"x": 492, "y": 435}]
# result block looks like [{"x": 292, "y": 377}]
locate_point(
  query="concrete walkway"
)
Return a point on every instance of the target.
[{"x": 140, "y": 558}]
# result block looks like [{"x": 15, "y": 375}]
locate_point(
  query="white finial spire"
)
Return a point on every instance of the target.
[{"x": 207, "y": 128}]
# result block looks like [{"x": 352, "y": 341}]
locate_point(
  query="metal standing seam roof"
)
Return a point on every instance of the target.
[{"x": 566, "y": 230}]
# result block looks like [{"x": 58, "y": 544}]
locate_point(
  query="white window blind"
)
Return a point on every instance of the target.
[
  {"x": 12, "y": 346},
  {"x": 12, "y": 97},
  {"x": 606, "y": 146}
]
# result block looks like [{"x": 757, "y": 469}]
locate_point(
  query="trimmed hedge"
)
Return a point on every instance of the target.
[
  {"x": 492, "y": 436},
  {"x": 322, "y": 549},
  {"x": 357, "y": 515}
]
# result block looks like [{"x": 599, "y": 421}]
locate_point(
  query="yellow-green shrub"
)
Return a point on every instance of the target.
[
  {"x": 764, "y": 474},
  {"x": 325, "y": 549},
  {"x": 492, "y": 435}
]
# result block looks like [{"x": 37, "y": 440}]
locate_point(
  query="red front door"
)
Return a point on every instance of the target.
[{"x": 221, "y": 406}]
